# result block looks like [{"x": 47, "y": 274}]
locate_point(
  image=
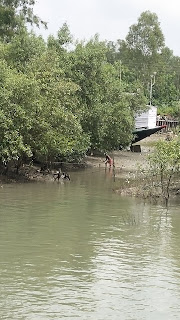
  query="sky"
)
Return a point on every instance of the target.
[{"x": 111, "y": 19}]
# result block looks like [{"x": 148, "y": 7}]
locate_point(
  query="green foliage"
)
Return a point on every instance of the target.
[
  {"x": 172, "y": 110},
  {"x": 23, "y": 48},
  {"x": 13, "y": 14},
  {"x": 60, "y": 134},
  {"x": 142, "y": 53},
  {"x": 165, "y": 91},
  {"x": 14, "y": 126},
  {"x": 164, "y": 163},
  {"x": 37, "y": 113},
  {"x": 146, "y": 37},
  {"x": 63, "y": 40},
  {"x": 57, "y": 101},
  {"x": 144, "y": 41},
  {"x": 107, "y": 111}
]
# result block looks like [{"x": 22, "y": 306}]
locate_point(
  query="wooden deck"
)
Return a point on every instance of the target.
[{"x": 170, "y": 124}]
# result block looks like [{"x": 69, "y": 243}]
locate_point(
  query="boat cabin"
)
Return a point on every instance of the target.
[{"x": 147, "y": 119}]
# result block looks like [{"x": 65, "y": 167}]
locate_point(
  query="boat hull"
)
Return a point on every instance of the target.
[{"x": 141, "y": 134}]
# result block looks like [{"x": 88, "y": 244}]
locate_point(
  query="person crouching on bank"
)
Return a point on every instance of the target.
[{"x": 108, "y": 160}]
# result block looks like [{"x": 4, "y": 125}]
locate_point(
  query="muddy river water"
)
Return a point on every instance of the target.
[{"x": 76, "y": 250}]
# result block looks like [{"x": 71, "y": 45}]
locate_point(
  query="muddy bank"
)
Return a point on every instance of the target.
[
  {"x": 123, "y": 160},
  {"x": 127, "y": 171},
  {"x": 127, "y": 161},
  {"x": 126, "y": 164}
]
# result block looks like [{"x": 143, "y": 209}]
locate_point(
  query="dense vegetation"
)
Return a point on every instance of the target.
[
  {"x": 161, "y": 176},
  {"x": 61, "y": 98}
]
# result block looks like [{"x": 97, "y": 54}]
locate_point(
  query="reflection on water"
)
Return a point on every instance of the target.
[{"x": 76, "y": 250}]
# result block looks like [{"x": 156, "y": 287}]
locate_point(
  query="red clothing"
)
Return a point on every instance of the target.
[{"x": 109, "y": 160}]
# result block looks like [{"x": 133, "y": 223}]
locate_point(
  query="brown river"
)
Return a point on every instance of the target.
[{"x": 76, "y": 250}]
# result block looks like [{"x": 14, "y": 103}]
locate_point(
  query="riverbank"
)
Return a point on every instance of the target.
[
  {"x": 126, "y": 172},
  {"x": 129, "y": 170},
  {"x": 127, "y": 161},
  {"x": 126, "y": 164}
]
